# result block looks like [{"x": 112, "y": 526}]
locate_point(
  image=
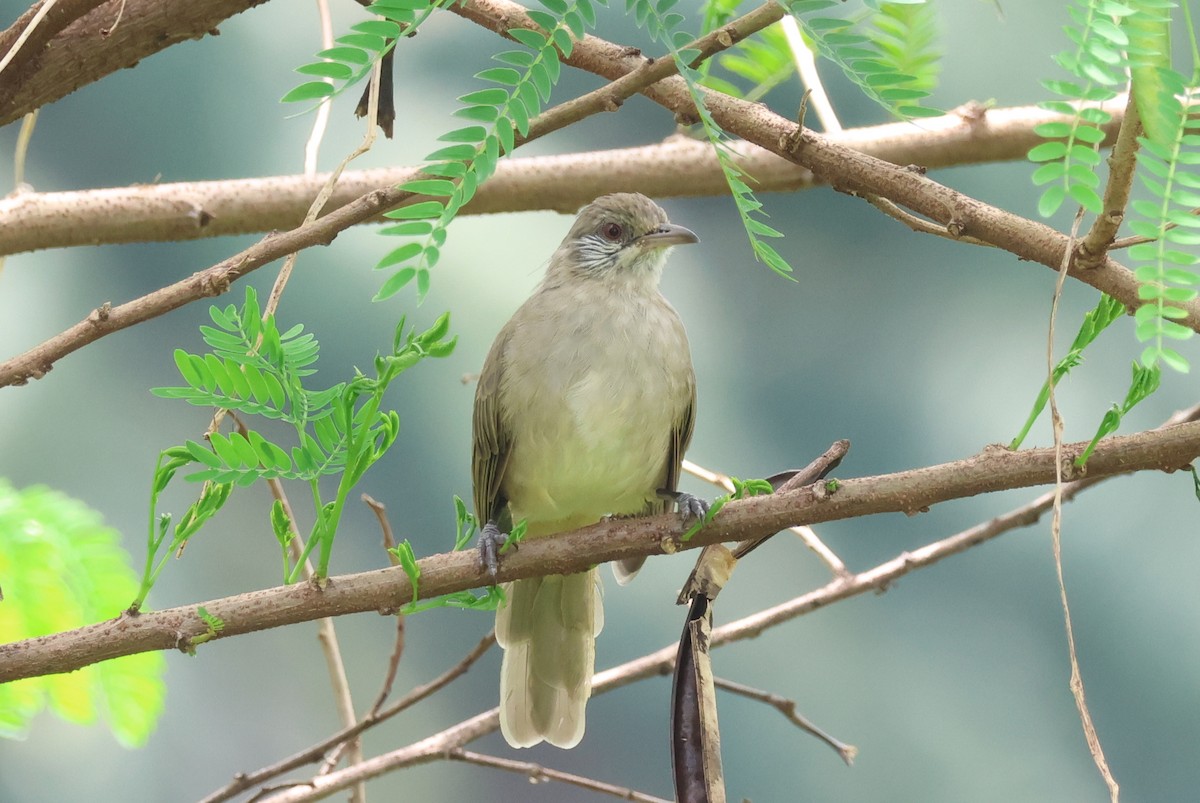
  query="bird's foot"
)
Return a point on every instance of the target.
[
  {"x": 491, "y": 540},
  {"x": 689, "y": 506}
]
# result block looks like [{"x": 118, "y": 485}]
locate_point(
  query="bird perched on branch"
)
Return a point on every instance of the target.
[{"x": 584, "y": 409}]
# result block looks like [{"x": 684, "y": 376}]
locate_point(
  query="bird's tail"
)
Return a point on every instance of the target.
[{"x": 548, "y": 630}]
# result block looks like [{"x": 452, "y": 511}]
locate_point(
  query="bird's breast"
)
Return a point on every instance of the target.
[{"x": 592, "y": 422}]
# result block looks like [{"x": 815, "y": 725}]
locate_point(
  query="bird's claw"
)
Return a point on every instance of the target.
[
  {"x": 689, "y": 506},
  {"x": 491, "y": 540}
]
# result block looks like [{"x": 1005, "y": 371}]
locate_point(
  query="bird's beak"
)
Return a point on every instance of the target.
[{"x": 666, "y": 235}]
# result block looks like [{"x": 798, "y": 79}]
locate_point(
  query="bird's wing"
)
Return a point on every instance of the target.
[
  {"x": 681, "y": 436},
  {"x": 491, "y": 438}
]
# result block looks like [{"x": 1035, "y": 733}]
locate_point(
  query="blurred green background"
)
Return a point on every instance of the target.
[{"x": 953, "y": 684}]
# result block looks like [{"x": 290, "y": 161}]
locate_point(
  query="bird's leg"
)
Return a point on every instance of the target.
[
  {"x": 491, "y": 540},
  {"x": 689, "y": 506}
]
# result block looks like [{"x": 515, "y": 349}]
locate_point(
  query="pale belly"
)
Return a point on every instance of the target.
[
  {"x": 595, "y": 441},
  {"x": 603, "y": 451}
]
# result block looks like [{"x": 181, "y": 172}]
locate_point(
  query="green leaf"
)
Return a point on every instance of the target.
[
  {"x": 63, "y": 568},
  {"x": 472, "y": 133},
  {"x": 364, "y": 40},
  {"x": 531, "y": 39},
  {"x": 312, "y": 90},
  {"x": 412, "y": 228},
  {"x": 326, "y": 69},
  {"x": 517, "y": 58},
  {"x": 1150, "y": 37},
  {"x": 429, "y": 186},
  {"x": 540, "y": 79},
  {"x": 417, "y": 211},
  {"x": 488, "y": 97},
  {"x": 1051, "y": 200},
  {"x": 453, "y": 152},
  {"x": 562, "y": 40},
  {"x": 394, "y": 284},
  {"x": 1050, "y": 171},
  {"x": 1087, "y": 198},
  {"x": 1047, "y": 151},
  {"x": 381, "y": 28},
  {"x": 351, "y": 55},
  {"x": 398, "y": 255},
  {"x": 1088, "y": 134},
  {"x": 519, "y": 118},
  {"x": 487, "y": 114},
  {"x": 547, "y": 22}
]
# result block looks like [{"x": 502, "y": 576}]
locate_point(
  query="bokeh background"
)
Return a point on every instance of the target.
[{"x": 953, "y": 683}]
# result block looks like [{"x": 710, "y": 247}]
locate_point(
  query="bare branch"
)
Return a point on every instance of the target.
[
  {"x": 538, "y": 774},
  {"x": 244, "y": 781},
  {"x": 678, "y": 167},
  {"x": 842, "y": 167},
  {"x": 89, "y": 48},
  {"x": 806, "y": 534},
  {"x": 385, "y": 590},
  {"x": 788, "y": 708},
  {"x": 41, "y": 22},
  {"x": 661, "y": 661},
  {"x": 1121, "y": 163}
]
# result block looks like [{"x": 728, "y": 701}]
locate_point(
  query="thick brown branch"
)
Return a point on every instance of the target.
[
  {"x": 678, "y": 167},
  {"x": 842, "y": 167},
  {"x": 58, "y": 16},
  {"x": 385, "y": 590},
  {"x": 90, "y": 47}
]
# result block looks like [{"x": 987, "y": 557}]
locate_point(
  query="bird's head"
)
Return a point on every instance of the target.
[{"x": 621, "y": 238}]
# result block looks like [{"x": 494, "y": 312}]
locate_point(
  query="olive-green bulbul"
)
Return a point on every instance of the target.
[{"x": 584, "y": 409}]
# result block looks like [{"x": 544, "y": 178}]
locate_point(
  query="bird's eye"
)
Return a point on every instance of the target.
[{"x": 612, "y": 231}]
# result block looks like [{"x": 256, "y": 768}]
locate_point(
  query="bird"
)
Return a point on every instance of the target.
[{"x": 584, "y": 408}]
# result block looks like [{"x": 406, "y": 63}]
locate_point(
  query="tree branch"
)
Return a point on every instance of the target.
[
  {"x": 34, "y": 363},
  {"x": 89, "y": 47},
  {"x": 678, "y": 167},
  {"x": 538, "y": 774},
  {"x": 841, "y": 167},
  {"x": 1121, "y": 164},
  {"x": 248, "y": 780},
  {"x": 629, "y": 74},
  {"x": 385, "y": 590},
  {"x": 661, "y": 661}
]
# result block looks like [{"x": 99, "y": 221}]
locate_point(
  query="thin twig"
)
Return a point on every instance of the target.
[
  {"x": 27, "y": 33},
  {"x": 539, "y": 774},
  {"x": 920, "y": 224},
  {"x": 806, "y": 68},
  {"x": 20, "y": 153},
  {"x": 323, "y": 196},
  {"x": 389, "y": 541},
  {"x": 805, "y": 533},
  {"x": 312, "y": 148},
  {"x": 1137, "y": 239},
  {"x": 1085, "y": 716},
  {"x": 326, "y": 631},
  {"x": 788, "y": 708},
  {"x": 245, "y": 781}
]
